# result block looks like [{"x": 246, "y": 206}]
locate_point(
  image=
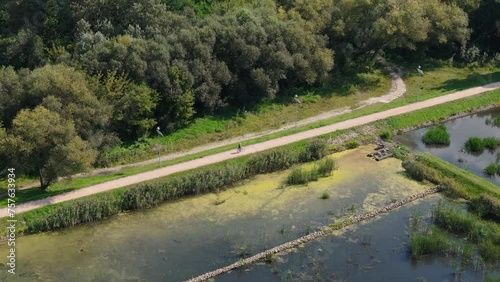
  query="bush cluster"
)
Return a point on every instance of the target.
[
  {"x": 474, "y": 145},
  {"x": 433, "y": 241},
  {"x": 485, "y": 206},
  {"x": 386, "y": 135},
  {"x": 76, "y": 212},
  {"x": 492, "y": 169},
  {"x": 486, "y": 234},
  {"x": 477, "y": 145},
  {"x": 302, "y": 176},
  {"x": 436, "y": 136}
]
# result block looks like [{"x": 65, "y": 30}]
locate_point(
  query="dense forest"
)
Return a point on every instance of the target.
[{"x": 80, "y": 76}]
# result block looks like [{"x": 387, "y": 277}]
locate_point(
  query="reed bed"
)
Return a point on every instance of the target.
[{"x": 151, "y": 194}]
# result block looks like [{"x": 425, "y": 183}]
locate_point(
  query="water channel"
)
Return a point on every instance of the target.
[{"x": 460, "y": 130}]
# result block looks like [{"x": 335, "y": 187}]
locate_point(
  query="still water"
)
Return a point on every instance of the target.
[
  {"x": 374, "y": 251},
  {"x": 182, "y": 239},
  {"x": 460, "y": 130}
]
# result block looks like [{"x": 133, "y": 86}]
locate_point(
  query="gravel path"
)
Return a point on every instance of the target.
[
  {"x": 251, "y": 149},
  {"x": 398, "y": 89}
]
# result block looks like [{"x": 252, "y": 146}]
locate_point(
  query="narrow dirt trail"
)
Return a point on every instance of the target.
[
  {"x": 251, "y": 149},
  {"x": 398, "y": 89}
]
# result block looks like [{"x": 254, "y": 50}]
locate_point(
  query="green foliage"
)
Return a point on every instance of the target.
[
  {"x": 151, "y": 194},
  {"x": 359, "y": 30},
  {"x": 298, "y": 176},
  {"x": 436, "y": 136},
  {"x": 485, "y": 206},
  {"x": 49, "y": 144},
  {"x": 75, "y": 212},
  {"x": 271, "y": 161},
  {"x": 433, "y": 241},
  {"x": 474, "y": 145},
  {"x": 352, "y": 144},
  {"x": 491, "y": 143},
  {"x": 492, "y": 169},
  {"x": 414, "y": 169},
  {"x": 386, "y": 135},
  {"x": 326, "y": 166},
  {"x": 315, "y": 150},
  {"x": 484, "y": 234},
  {"x": 133, "y": 105},
  {"x": 325, "y": 195},
  {"x": 462, "y": 223},
  {"x": 489, "y": 251},
  {"x": 400, "y": 152},
  {"x": 424, "y": 166},
  {"x": 11, "y": 98}
]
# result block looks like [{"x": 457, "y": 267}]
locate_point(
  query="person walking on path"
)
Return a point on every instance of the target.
[{"x": 239, "y": 147}]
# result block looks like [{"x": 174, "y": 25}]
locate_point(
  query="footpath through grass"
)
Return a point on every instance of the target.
[
  {"x": 145, "y": 192},
  {"x": 394, "y": 124},
  {"x": 343, "y": 92},
  {"x": 435, "y": 83}
]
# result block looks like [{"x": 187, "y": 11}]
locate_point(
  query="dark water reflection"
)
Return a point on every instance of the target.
[
  {"x": 460, "y": 130},
  {"x": 375, "y": 251}
]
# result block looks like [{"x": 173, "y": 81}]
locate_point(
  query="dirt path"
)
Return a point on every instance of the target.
[
  {"x": 398, "y": 88},
  {"x": 251, "y": 149}
]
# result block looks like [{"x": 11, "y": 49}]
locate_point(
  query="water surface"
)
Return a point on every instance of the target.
[
  {"x": 460, "y": 130},
  {"x": 186, "y": 238}
]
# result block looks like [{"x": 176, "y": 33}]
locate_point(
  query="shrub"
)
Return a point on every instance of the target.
[
  {"x": 272, "y": 161},
  {"x": 400, "y": 152},
  {"x": 386, "y": 135},
  {"x": 315, "y": 150},
  {"x": 489, "y": 251},
  {"x": 432, "y": 241},
  {"x": 352, "y": 144},
  {"x": 474, "y": 145},
  {"x": 325, "y": 195},
  {"x": 437, "y": 136},
  {"x": 485, "y": 205},
  {"x": 326, "y": 166},
  {"x": 491, "y": 143},
  {"x": 79, "y": 211},
  {"x": 492, "y": 169},
  {"x": 413, "y": 169},
  {"x": 298, "y": 176},
  {"x": 458, "y": 222}
]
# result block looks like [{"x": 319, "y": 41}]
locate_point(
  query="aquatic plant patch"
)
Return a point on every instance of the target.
[{"x": 436, "y": 136}]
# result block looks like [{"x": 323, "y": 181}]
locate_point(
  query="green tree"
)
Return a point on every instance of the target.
[
  {"x": 133, "y": 105},
  {"x": 49, "y": 145},
  {"x": 10, "y": 94},
  {"x": 362, "y": 29},
  {"x": 66, "y": 91}
]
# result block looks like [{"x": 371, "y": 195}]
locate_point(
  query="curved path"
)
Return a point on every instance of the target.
[{"x": 161, "y": 172}]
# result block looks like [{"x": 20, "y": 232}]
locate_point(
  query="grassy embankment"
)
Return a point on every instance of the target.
[
  {"x": 393, "y": 124},
  {"x": 471, "y": 238},
  {"x": 436, "y": 82},
  {"x": 150, "y": 194},
  {"x": 344, "y": 92}
]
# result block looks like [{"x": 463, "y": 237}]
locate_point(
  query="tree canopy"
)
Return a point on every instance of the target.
[{"x": 112, "y": 70}]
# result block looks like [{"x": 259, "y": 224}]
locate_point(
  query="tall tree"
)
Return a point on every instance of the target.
[
  {"x": 361, "y": 29},
  {"x": 50, "y": 146}
]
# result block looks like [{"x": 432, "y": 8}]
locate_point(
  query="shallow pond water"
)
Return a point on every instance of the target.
[
  {"x": 374, "y": 251},
  {"x": 185, "y": 238},
  {"x": 460, "y": 130}
]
